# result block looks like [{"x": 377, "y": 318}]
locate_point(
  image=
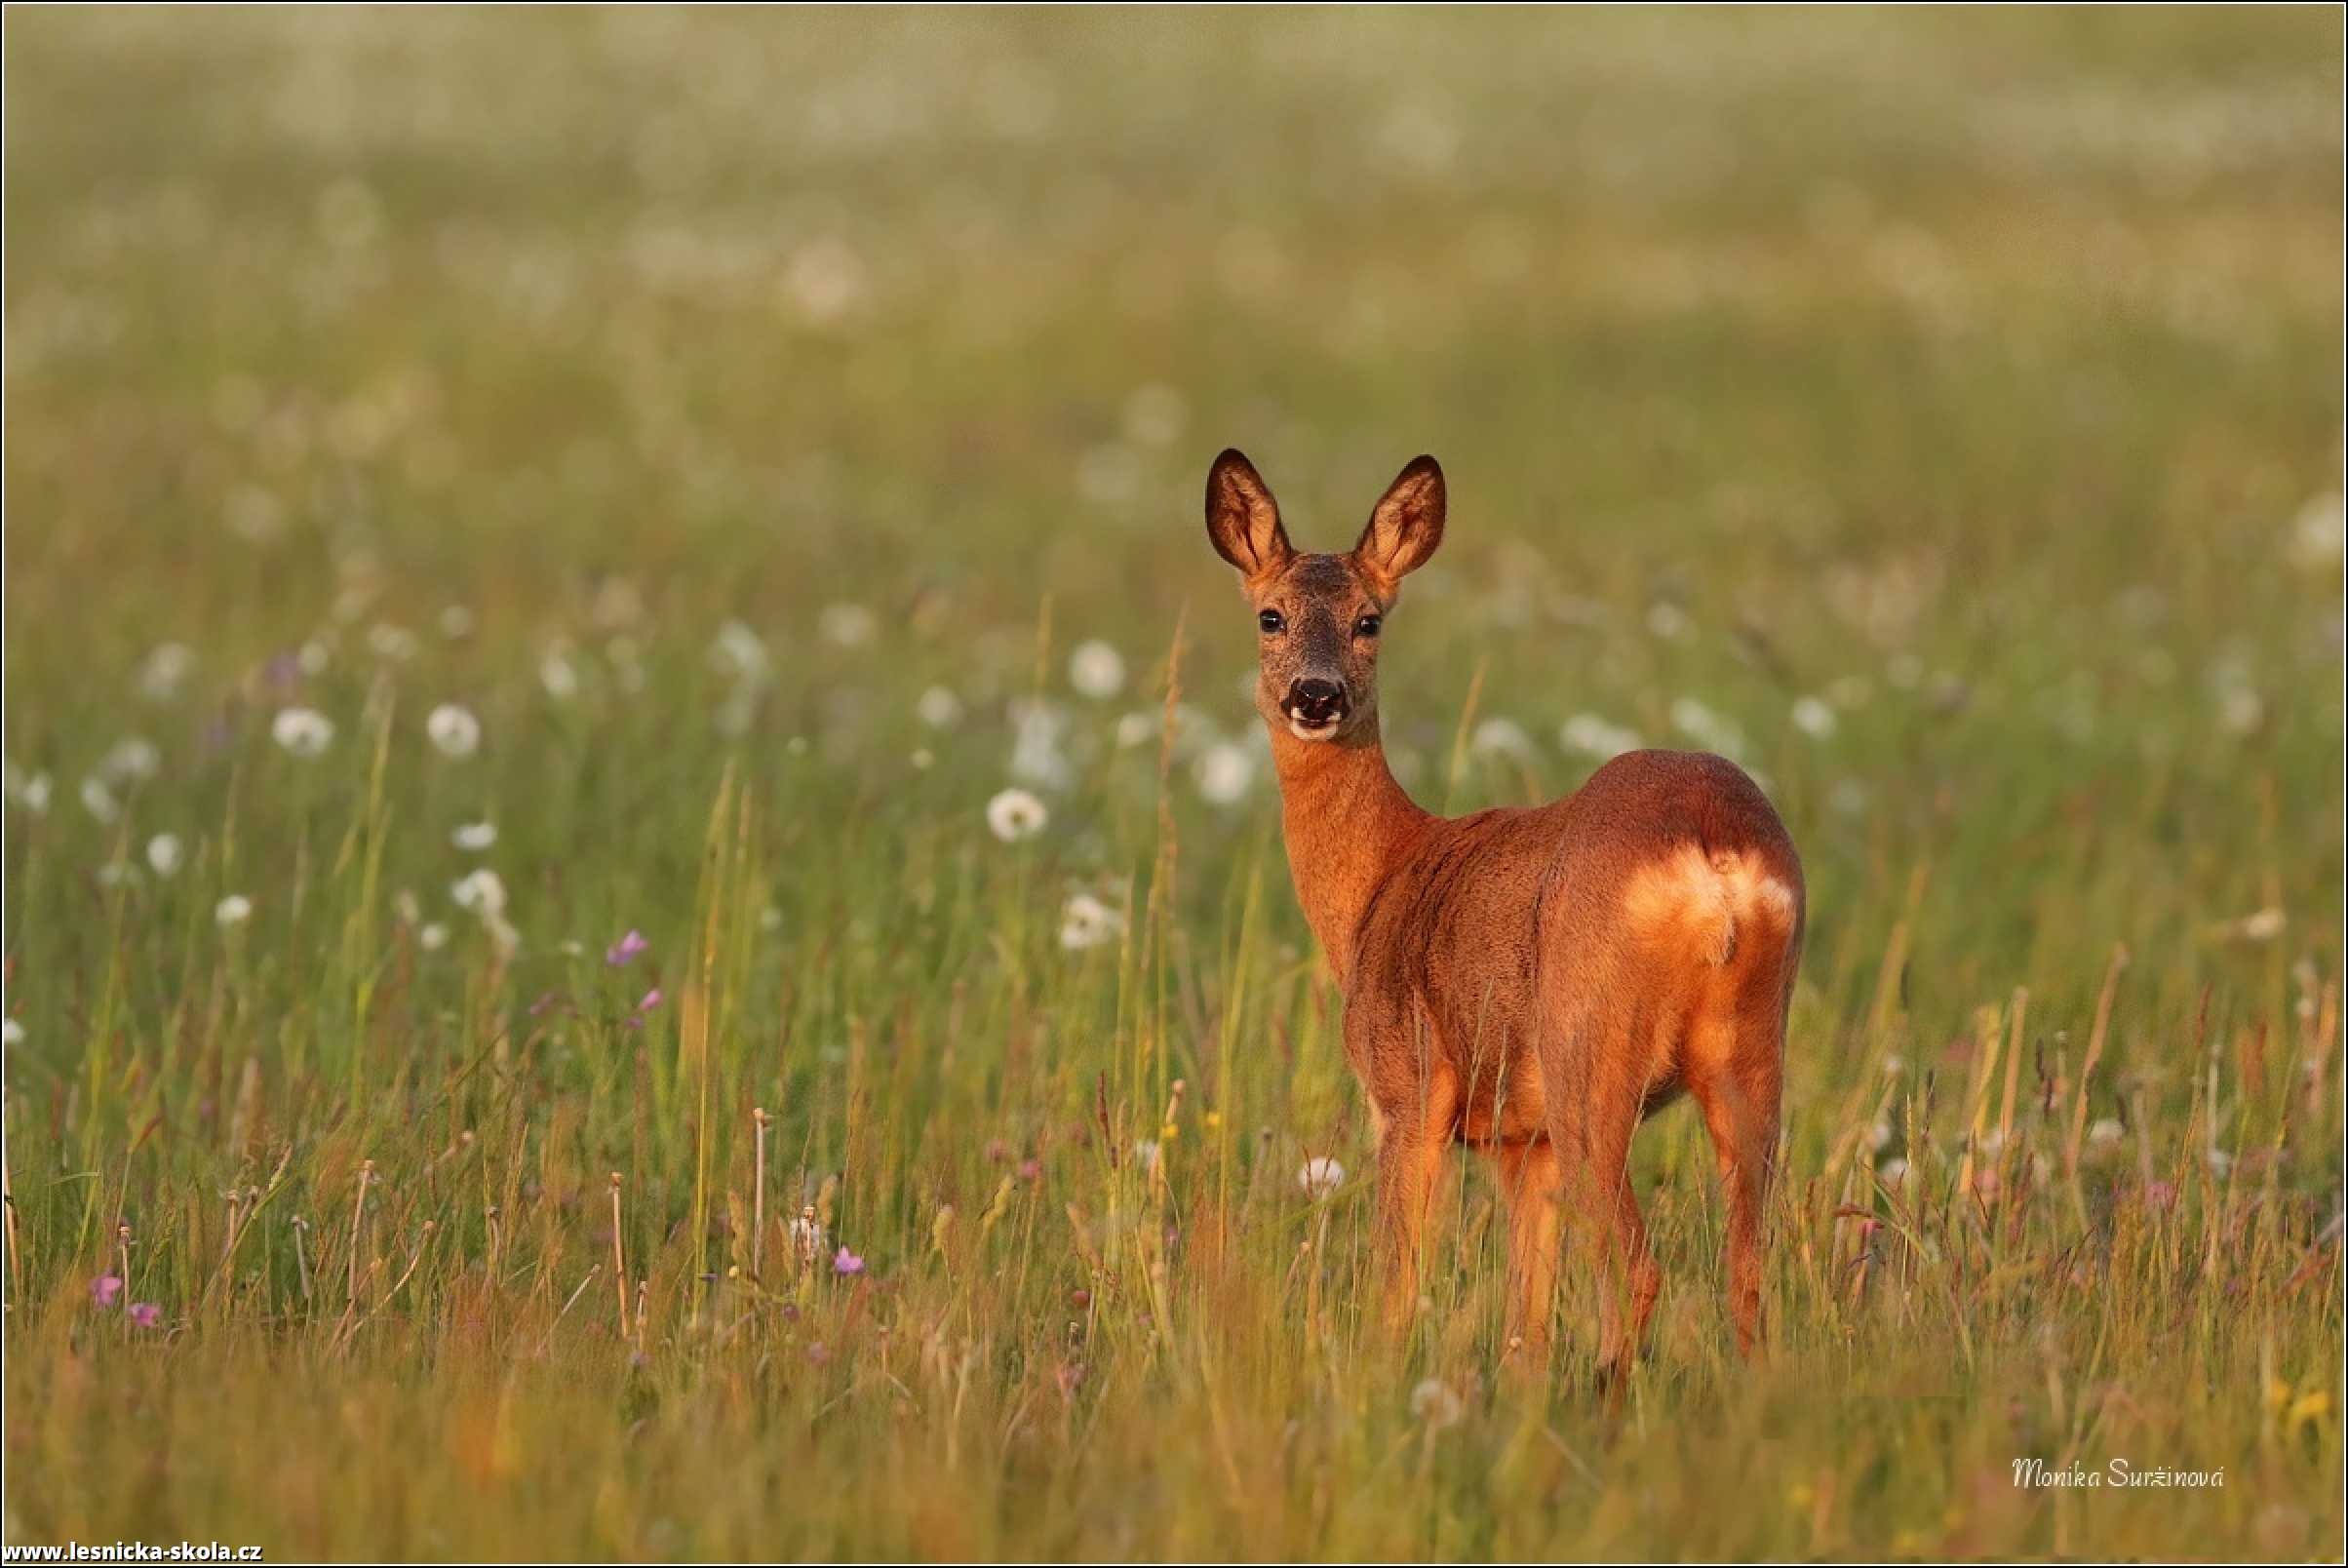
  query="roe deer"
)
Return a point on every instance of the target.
[{"x": 1529, "y": 982}]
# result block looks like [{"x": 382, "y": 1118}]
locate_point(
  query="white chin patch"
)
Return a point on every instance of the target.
[{"x": 1305, "y": 731}]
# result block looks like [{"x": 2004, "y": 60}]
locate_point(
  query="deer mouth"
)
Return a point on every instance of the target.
[{"x": 1310, "y": 729}]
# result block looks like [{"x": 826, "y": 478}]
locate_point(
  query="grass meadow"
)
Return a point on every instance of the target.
[{"x": 537, "y": 542}]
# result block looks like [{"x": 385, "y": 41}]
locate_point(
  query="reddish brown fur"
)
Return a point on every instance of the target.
[{"x": 1529, "y": 982}]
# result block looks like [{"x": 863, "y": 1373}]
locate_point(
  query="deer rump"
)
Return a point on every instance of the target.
[{"x": 1633, "y": 940}]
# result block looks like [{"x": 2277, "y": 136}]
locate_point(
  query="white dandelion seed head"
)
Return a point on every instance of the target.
[
  {"x": 165, "y": 670},
  {"x": 560, "y": 677},
  {"x": 474, "y": 836},
  {"x": 1320, "y": 1176},
  {"x": 1436, "y": 1404},
  {"x": 938, "y": 708},
  {"x": 738, "y": 650},
  {"x": 394, "y": 642},
  {"x": 1036, "y": 756},
  {"x": 1707, "y": 728},
  {"x": 12, "y": 1032},
  {"x": 432, "y": 936},
  {"x": 234, "y": 910},
  {"x": 482, "y": 890},
  {"x": 1892, "y": 1172},
  {"x": 1667, "y": 620},
  {"x": 848, "y": 625},
  {"x": 1594, "y": 736},
  {"x": 452, "y": 730},
  {"x": 313, "y": 657},
  {"x": 302, "y": 732},
  {"x": 1879, "y": 1136},
  {"x": 131, "y": 759},
  {"x": 98, "y": 801},
  {"x": 163, "y": 853},
  {"x": 1893, "y": 1065},
  {"x": 1136, "y": 728},
  {"x": 1224, "y": 772},
  {"x": 2320, "y": 533},
  {"x": 29, "y": 791},
  {"x": 1096, "y": 669},
  {"x": 115, "y": 874},
  {"x": 2262, "y": 926},
  {"x": 1014, "y": 814},
  {"x": 456, "y": 623},
  {"x": 1146, "y": 1153},
  {"x": 2105, "y": 1132},
  {"x": 1814, "y": 716},
  {"x": 1086, "y": 922},
  {"x": 2221, "y": 1162},
  {"x": 1501, "y": 737}
]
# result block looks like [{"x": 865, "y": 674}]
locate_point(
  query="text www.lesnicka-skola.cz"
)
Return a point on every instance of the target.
[{"x": 132, "y": 1551}]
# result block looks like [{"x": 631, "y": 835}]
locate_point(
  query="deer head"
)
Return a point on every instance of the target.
[{"x": 1318, "y": 616}]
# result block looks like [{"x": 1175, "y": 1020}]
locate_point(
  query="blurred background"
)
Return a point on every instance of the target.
[{"x": 1938, "y": 411}]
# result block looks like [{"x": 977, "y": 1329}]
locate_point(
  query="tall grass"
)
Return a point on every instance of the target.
[{"x": 746, "y": 420}]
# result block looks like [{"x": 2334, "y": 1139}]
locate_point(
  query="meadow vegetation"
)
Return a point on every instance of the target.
[{"x": 538, "y": 545}]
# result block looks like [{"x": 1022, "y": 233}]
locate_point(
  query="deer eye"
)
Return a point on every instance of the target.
[
  {"x": 1271, "y": 620},
  {"x": 1367, "y": 626}
]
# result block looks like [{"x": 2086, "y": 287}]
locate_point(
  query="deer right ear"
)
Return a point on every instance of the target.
[{"x": 1242, "y": 520}]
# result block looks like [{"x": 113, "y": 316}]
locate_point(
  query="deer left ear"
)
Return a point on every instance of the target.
[{"x": 1405, "y": 526}]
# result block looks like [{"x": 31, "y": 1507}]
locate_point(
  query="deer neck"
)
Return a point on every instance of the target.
[{"x": 1349, "y": 825}]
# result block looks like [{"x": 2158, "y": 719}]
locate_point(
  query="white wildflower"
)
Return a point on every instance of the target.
[
  {"x": 1879, "y": 1136},
  {"x": 234, "y": 910},
  {"x": 1594, "y": 736},
  {"x": 2320, "y": 533},
  {"x": 432, "y": 936},
  {"x": 27, "y": 790},
  {"x": 164, "y": 671},
  {"x": 1015, "y": 814},
  {"x": 849, "y": 625},
  {"x": 1712, "y": 730},
  {"x": 453, "y": 731},
  {"x": 389, "y": 642},
  {"x": 1035, "y": 755},
  {"x": 12, "y": 1032},
  {"x": 131, "y": 759},
  {"x": 163, "y": 853},
  {"x": 1224, "y": 772},
  {"x": 1892, "y": 1172},
  {"x": 456, "y": 623},
  {"x": 1096, "y": 669},
  {"x": 559, "y": 677},
  {"x": 1086, "y": 922},
  {"x": 313, "y": 657},
  {"x": 738, "y": 650},
  {"x": 939, "y": 708},
  {"x": 2105, "y": 1132},
  {"x": 98, "y": 801},
  {"x": 1137, "y": 729},
  {"x": 1436, "y": 1404},
  {"x": 304, "y": 731},
  {"x": 2262, "y": 926},
  {"x": 1667, "y": 620},
  {"x": 1501, "y": 737},
  {"x": 474, "y": 836},
  {"x": 1320, "y": 1176},
  {"x": 1146, "y": 1153},
  {"x": 1814, "y": 716},
  {"x": 482, "y": 891}
]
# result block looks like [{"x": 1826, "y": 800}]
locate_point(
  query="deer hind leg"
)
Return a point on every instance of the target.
[
  {"x": 1739, "y": 1091},
  {"x": 1608, "y": 1212},
  {"x": 1532, "y": 1175}
]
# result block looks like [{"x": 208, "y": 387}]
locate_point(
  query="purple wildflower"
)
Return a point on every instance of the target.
[
  {"x": 848, "y": 1263},
  {"x": 145, "y": 1314},
  {"x": 651, "y": 1002},
  {"x": 105, "y": 1290},
  {"x": 624, "y": 951}
]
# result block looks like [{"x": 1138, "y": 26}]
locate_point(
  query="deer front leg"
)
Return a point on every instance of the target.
[{"x": 1414, "y": 1102}]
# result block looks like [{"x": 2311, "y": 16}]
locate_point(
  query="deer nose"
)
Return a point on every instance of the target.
[{"x": 1316, "y": 701}]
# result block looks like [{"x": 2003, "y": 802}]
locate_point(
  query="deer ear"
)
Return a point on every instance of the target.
[
  {"x": 1242, "y": 520},
  {"x": 1405, "y": 526}
]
